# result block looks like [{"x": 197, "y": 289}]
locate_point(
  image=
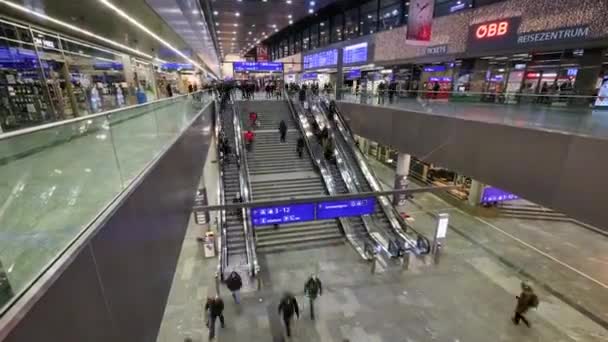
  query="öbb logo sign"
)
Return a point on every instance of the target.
[{"x": 492, "y": 30}]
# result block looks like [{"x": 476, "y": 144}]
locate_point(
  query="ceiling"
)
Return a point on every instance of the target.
[
  {"x": 240, "y": 24},
  {"x": 94, "y": 16}
]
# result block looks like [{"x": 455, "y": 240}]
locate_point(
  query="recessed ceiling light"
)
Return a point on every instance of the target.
[
  {"x": 289, "y": 2},
  {"x": 289, "y": 16},
  {"x": 310, "y": 10},
  {"x": 237, "y": 14},
  {"x": 276, "y": 30},
  {"x": 274, "y": 25},
  {"x": 290, "y": 22},
  {"x": 312, "y": 3},
  {"x": 216, "y": 12},
  {"x": 217, "y": 24},
  {"x": 218, "y": 31},
  {"x": 249, "y": 32},
  {"x": 236, "y": 25}
]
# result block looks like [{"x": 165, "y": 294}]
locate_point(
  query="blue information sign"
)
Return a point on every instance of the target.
[
  {"x": 355, "y": 54},
  {"x": 356, "y": 207},
  {"x": 283, "y": 214},
  {"x": 308, "y": 76},
  {"x": 354, "y": 74},
  {"x": 257, "y": 67},
  {"x": 321, "y": 59}
]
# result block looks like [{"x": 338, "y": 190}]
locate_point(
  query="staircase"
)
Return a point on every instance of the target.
[
  {"x": 235, "y": 234},
  {"x": 530, "y": 211},
  {"x": 277, "y": 172}
]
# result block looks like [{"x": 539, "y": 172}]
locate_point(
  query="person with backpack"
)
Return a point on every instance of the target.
[
  {"x": 283, "y": 130},
  {"x": 300, "y": 147},
  {"x": 234, "y": 284},
  {"x": 253, "y": 119},
  {"x": 312, "y": 289},
  {"x": 288, "y": 306},
  {"x": 249, "y": 137},
  {"x": 215, "y": 308},
  {"x": 526, "y": 300}
]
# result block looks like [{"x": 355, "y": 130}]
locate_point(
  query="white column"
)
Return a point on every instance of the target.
[
  {"x": 401, "y": 181},
  {"x": 475, "y": 192}
]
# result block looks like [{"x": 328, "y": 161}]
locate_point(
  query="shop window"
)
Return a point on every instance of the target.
[
  {"x": 337, "y": 28},
  {"x": 369, "y": 17},
  {"x": 406, "y": 12},
  {"x": 306, "y": 39},
  {"x": 297, "y": 41},
  {"x": 351, "y": 24}
]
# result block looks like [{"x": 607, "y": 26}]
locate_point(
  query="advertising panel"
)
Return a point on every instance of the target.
[
  {"x": 420, "y": 20},
  {"x": 493, "y": 35},
  {"x": 261, "y": 53},
  {"x": 601, "y": 102}
]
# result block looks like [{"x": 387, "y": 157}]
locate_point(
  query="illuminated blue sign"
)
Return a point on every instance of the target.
[
  {"x": 354, "y": 74},
  {"x": 355, "y": 207},
  {"x": 355, "y": 54},
  {"x": 257, "y": 67},
  {"x": 434, "y": 68},
  {"x": 491, "y": 194},
  {"x": 307, "y": 76},
  {"x": 283, "y": 214},
  {"x": 323, "y": 59}
]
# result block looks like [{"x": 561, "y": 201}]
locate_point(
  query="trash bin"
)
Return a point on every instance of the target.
[{"x": 209, "y": 249}]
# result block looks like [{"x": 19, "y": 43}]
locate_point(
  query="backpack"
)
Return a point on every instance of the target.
[{"x": 534, "y": 301}]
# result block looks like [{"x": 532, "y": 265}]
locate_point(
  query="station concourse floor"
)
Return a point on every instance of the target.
[
  {"x": 468, "y": 296},
  {"x": 578, "y": 120}
]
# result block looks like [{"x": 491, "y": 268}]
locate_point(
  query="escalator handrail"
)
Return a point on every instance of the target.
[
  {"x": 388, "y": 208},
  {"x": 245, "y": 191},
  {"x": 222, "y": 244}
]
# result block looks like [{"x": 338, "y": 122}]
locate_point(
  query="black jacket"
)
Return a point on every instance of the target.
[
  {"x": 234, "y": 282},
  {"x": 289, "y": 306},
  {"x": 215, "y": 307},
  {"x": 282, "y": 127}
]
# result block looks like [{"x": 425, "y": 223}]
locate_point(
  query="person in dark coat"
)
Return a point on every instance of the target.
[
  {"x": 234, "y": 284},
  {"x": 169, "y": 90},
  {"x": 215, "y": 309},
  {"x": 526, "y": 300},
  {"x": 302, "y": 95},
  {"x": 288, "y": 307},
  {"x": 283, "y": 130},
  {"x": 300, "y": 147},
  {"x": 312, "y": 289}
]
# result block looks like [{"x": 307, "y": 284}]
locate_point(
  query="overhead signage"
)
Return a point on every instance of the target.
[
  {"x": 334, "y": 209},
  {"x": 354, "y": 54},
  {"x": 491, "y": 194},
  {"x": 354, "y": 74},
  {"x": 257, "y": 67},
  {"x": 552, "y": 36},
  {"x": 493, "y": 35},
  {"x": 323, "y": 59},
  {"x": 434, "y": 68},
  {"x": 440, "y": 79},
  {"x": 420, "y": 20},
  {"x": 309, "y": 76},
  {"x": 283, "y": 214},
  {"x": 437, "y": 50}
]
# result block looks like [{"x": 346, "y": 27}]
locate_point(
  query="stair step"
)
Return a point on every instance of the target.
[{"x": 300, "y": 243}]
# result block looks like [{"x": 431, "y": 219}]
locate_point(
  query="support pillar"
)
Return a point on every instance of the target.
[
  {"x": 475, "y": 193},
  {"x": 587, "y": 75},
  {"x": 401, "y": 181},
  {"x": 339, "y": 76}
]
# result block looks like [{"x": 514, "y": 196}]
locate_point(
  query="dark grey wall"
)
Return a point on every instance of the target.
[
  {"x": 560, "y": 171},
  {"x": 117, "y": 287}
]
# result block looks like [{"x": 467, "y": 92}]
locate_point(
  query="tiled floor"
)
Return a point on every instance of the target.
[{"x": 468, "y": 296}]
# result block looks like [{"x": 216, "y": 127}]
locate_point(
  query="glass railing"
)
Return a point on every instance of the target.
[
  {"x": 561, "y": 111},
  {"x": 55, "y": 180}
]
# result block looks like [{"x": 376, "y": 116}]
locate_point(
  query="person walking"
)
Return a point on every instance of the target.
[
  {"x": 253, "y": 119},
  {"x": 234, "y": 284},
  {"x": 283, "y": 130},
  {"x": 526, "y": 300},
  {"x": 288, "y": 307},
  {"x": 312, "y": 289},
  {"x": 300, "y": 147},
  {"x": 215, "y": 309},
  {"x": 249, "y": 137}
]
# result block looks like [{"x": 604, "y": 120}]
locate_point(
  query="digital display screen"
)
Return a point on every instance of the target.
[
  {"x": 492, "y": 194},
  {"x": 257, "y": 67},
  {"x": 434, "y": 68},
  {"x": 321, "y": 59},
  {"x": 283, "y": 214},
  {"x": 353, "y": 74},
  {"x": 358, "y": 207},
  {"x": 355, "y": 54}
]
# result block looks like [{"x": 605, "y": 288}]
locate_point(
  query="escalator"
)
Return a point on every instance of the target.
[
  {"x": 237, "y": 247},
  {"x": 385, "y": 216}
]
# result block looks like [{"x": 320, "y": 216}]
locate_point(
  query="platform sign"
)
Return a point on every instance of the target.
[
  {"x": 323, "y": 59},
  {"x": 355, "y": 207},
  {"x": 354, "y": 54},
  {"x": 283, "y": 214}
]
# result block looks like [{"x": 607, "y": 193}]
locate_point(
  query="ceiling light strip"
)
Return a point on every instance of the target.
[
  {"x": 73, "y": 28},
  {"x": 149, "y": 32}
]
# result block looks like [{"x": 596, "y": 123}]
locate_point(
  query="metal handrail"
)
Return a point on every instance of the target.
[
  {"x": 223, "y": 246},
  {"x": 35, "y": 129},
  {"x": 252, "y": 260}
]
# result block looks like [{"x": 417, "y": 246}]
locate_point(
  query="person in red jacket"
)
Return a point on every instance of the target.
[
  {"x": 249, "y": 136},
  {"x": 253, "y": 118}
]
